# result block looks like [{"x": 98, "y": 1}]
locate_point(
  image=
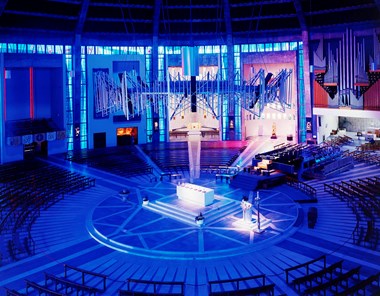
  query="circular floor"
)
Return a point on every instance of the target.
[{"x": 166, "y": 228}]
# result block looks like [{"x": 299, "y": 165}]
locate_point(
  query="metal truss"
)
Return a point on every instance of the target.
[{"x": 133, "y": 96}]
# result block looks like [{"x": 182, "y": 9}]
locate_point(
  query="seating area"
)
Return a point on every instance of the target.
[
  {"x": 170, "y": 157},
  {"x": 320, "y": 276},
  {"x": 316, "y": 277},
  {"x": 311, "y": 161},
  {"x": 302, "y": 186},
  {"x": 123, "y": 161},
  {"x": 220, "y": 169},
  {"x": 370, "y": 157},
  {"x": 226, "y": 177},
  {"x": 79, "y": 281},
  {"x": 326, "y": 160},
  {"x": 220, "y": 154},
  {"x": 153, "y": 288},
  {"x": 363, "y": 286},
  {"x": 287, "y": 157},
  {"x": 75, "y": 281},
  {"x": 173, "y": 157},
  {"x": 372, "y": 145},
  {"x": 362, "y": 196},
  {"x": 252, "y": 285},
  {"x": 27, "y": 188}
]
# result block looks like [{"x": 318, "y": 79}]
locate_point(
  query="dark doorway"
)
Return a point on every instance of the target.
[
  {"x": 29, "y": 151},
  {"x": 36, "y": 149},
  {"x": 100, "y": 140},
  {"x": 42, "y": 148}
]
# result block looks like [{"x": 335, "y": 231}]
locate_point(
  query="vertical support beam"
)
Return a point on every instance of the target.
[
  {"x": 2, "y": 108},
  {"x": 155, "y": 58},
  {"x": 3, "y": 3},
  {"x": 77, "y": 91},
  {"x": 156, "y": 29},
  {"x": 156, "y": 24},
  {"x": 82, "y": 16},
  {"x": 306, "y": 66},
  {"x": 31, "y": 92},
  {"x": 231, "y": 74}
]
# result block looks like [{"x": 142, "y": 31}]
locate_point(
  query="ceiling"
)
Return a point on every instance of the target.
[{"x": 180, "y": 21}]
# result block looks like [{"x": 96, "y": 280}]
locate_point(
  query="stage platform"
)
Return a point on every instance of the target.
[{"x": 166, "y": 228}]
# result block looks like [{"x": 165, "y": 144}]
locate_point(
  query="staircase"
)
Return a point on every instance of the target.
[{"x": 186, "y": 212}]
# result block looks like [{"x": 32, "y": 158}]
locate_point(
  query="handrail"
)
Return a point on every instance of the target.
[
  {"x": 237, "y": 280},
  {"x": 155, "y": 284},
  {"x": 333, "y": 282},
  {"x": 362, "y": 285},
  {"x": 318, "y": 274},
  {"x": 287, "y": 270},
  {"x": 66, "y": 282},
  {"x": 301, "y": 186},
  {"x": 42, "y": 289},
  {"x": 84, "y": 272}
]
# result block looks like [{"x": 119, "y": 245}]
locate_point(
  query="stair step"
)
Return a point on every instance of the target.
[
  {"x": 187, "y": 219},
  {"x": 215, "y": 218},
  {"x": 164, "y": 208},
  {"x": 187, "y": 216}
]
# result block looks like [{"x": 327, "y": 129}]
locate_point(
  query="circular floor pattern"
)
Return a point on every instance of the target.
[{"x": 166, "y": 228}]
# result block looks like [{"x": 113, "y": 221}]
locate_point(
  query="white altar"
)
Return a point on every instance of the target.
[{"x": 195, "y": 194}]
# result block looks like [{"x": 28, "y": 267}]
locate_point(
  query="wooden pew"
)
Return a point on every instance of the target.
[
  {"x": 262, "y": 288},
  {"x": 336, "y": 282},
  {"x": 156, "y": 285},
  {"x": 84, "y": 272},
  {"x": 309, "y": 278},
  {"x": 266, "y": 290},
  {"x": 68, "y": 284},
  {"x": 41, "y": 289},
  {"x": 362, "y": 286},
  {"x": 306, "y": 265}
]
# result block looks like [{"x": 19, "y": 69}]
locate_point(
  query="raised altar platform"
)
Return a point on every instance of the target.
[{"x": 166, "y": 227}]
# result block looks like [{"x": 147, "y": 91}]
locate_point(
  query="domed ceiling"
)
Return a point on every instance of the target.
[{"x": 184, "y": 21}]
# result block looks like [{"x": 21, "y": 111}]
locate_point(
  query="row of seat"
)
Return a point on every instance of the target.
[
  {"x": 304, "y": 187},
  {"x": 369, "y": 157},
  {"x": 28, "y": 188},
  {"x": 74, "y": 281},
  {"x": 173, "y": 157},
  {"x": 80, "y": 281},
  {"x": 373, "y": 145},
  {"x": 170, "y": 157},
  {"x": 123, "y": 161},
  {"x": 308, "y": 278},
  {"x": 362, "y": 196},
  {"x": 315, "y": 277},
  {"x": 310, "y": 160},
  {"x": 252, "y": 285},
  {"x": 339, "y": 140}
]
